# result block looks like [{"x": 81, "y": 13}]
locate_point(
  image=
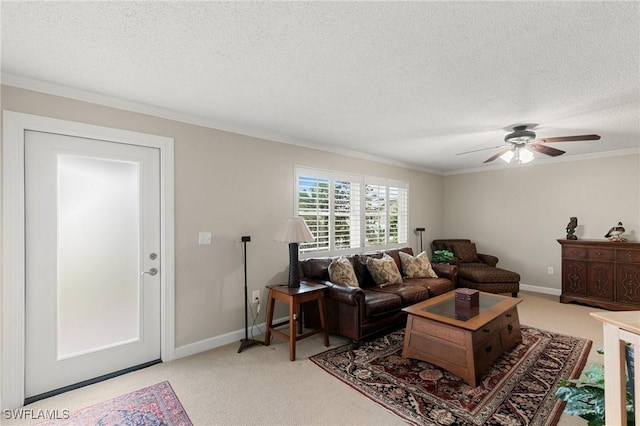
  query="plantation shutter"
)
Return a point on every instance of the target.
[
  {"x": 346, "y": 212},
  {"x": 313, "y": 207}
]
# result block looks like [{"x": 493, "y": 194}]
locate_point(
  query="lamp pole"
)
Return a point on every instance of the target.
[{"x": 246, "y": 342}]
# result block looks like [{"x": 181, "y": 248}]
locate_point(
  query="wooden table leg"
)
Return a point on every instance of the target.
[
  {"x": 293, "y": 319},
  {"x": 323, "y": 322},
  {"x": 270, "y": 304}
]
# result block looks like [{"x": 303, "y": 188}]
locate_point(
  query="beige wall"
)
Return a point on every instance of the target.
[
  {"x": 231, "y": 185},
  {"x": 234, "y": 185},
  {"x": 518, "y": 213}
]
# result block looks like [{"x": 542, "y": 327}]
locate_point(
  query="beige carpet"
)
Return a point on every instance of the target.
[{"x": 261, "y": 385}]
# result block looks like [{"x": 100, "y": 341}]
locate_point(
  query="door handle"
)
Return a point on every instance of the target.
[{"x": 152, "y": 272}]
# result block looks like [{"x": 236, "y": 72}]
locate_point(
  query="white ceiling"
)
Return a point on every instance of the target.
[{"x": 412, "y": 82}]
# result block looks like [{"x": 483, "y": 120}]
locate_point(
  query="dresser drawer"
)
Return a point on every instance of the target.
[
  {"x": 510, "y": 335},
  {"x": 601, "y": 254},
  {"x": 488, "y": 330},
  {"x": 486, "y": 353},
  {"x": 631, "y": 256},
  {"x": 510, "y": 316},
  {"x": 570, "y": 252}
]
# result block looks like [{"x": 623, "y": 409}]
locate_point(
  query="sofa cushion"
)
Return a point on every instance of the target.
[
  {"x": 341, "y": 272},
  {"x": 410, "y": 294},
  {"x": 316, "y": 268},
  {"x": 384, "y": 271},
  {"x": 445, "y": 244},
  {"x": 362, "y": 272},
  {"x": 488, "y": 274},
  {"x": 395, "y": 255},
  {"x": 465, "y": 252},
  {"x": 416, "y": 267},
  {"x": 436, "y": 286},
  {"x": 378, "y": 303}
]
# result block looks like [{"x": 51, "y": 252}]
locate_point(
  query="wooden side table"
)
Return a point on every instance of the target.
[
  {"x": 294, "y": 297},
  {"x": 619, "y": 327}
]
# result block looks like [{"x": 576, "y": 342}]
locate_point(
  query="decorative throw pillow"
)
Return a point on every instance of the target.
[
  {"x": 416, "y": 267},
  {"x": 384, "y": 271},
  {"x": 341, "y": 272},
  {"x": 465, "y": 252}
]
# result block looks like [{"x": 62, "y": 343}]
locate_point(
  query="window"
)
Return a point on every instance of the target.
[{"x": 347, "y": 212}]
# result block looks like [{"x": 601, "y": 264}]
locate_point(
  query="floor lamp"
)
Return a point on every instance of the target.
[
  {"x": 420, "y": 230},
  {"x": 246, "y": 342}
]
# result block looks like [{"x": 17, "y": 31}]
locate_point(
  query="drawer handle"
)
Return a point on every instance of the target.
[
  {"x": 486, "y": 330},
  {"x": 488, "y": 349},
  {"x": 598, "y": 253},
  {"x": 510, "y": 328},
  {"x": 508, "y": 315}
]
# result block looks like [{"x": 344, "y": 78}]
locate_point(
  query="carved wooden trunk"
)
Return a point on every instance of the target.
[{"x": 601, "y": 273}]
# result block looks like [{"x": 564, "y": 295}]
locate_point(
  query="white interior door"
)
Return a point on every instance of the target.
[{"x": 92, "y": 232}]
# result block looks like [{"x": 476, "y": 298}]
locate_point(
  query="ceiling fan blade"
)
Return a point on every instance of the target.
[
  {"x": 478, "y": 150},
  {"x": 496, "y": 155},
  {"x": 547, "y": 150},
  {"x": 570, "y": 138}
]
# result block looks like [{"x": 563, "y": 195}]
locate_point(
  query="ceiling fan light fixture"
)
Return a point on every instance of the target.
[
  {"x": 507, "y": 156},
  {"x": 517, "y": 155},
  {"x": 525, "y": 156}
]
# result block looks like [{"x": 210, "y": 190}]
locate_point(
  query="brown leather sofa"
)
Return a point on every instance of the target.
[
  {"x": 477, "y": 270},
  {"x": 358, "y": 312}
]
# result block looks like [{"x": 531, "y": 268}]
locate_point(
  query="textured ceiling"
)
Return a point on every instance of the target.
[{"x": 412, "y": 82}]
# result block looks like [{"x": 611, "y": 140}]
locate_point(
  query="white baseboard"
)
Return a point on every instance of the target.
[
  {"x": 236, "y": 336},
  {"x": 217, "y": 341},
  {"x": 538, "y": 289}
]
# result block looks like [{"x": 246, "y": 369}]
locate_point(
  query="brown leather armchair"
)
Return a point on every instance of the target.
[{"x": 478, "y": 270}]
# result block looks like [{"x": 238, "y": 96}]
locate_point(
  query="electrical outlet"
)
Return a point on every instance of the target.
[
  {"x": 255, "y": 296},
  {"x": 550, "y": 270}
]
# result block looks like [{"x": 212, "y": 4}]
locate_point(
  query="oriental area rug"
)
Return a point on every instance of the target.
[
  {"x": 518, "y": 390},
  {"x": 153, "y": 405}
]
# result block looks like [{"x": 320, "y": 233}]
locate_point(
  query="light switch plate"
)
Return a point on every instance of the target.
[{"x": 204, "y": 238}]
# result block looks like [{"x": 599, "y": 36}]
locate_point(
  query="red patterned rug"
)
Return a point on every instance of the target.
[
  {"x": 518, "y": 390},
  {"x": 153, "y": 405}
]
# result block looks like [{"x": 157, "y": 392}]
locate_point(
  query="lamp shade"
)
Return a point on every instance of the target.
[{"x": 294, "y": 230}]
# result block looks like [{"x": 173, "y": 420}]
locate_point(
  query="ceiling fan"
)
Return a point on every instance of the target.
[{"x": 523, "y": 141}]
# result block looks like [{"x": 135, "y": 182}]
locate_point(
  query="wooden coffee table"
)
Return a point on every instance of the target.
[{"x": 468, "y": 347}]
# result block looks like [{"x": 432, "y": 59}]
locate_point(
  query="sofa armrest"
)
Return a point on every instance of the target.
[
  {"x": 444, "y": 270},
  {"x": 340, "y": 293},
  {"x": 488, "y": 259}
]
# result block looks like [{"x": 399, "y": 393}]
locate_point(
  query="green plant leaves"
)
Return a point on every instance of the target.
[
  {"x": 442, "y": 256},
  {"x": 585, "y": 396}
]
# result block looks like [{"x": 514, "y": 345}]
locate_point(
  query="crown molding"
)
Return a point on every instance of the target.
[
  {"x": 26, "y": 83},
  {"x": 142, "y": 108}
]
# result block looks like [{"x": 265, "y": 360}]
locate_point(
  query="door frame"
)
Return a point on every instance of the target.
[{"x": 13, "y": 287}]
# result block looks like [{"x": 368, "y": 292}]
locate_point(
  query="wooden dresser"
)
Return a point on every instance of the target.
[{"x": 601, "y": 273}]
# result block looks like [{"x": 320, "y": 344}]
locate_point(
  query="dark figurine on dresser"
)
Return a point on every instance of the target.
[{"x": 571, "y": 228}]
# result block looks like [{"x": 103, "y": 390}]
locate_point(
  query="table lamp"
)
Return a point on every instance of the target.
[{"x": 294, "y": 231}]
